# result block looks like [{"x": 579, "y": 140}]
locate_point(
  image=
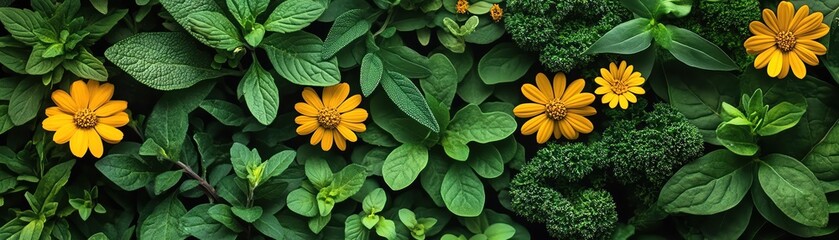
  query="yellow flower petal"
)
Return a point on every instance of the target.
[
  {"x": 628, "y": 72},
  {"x": 557, "y": 131},
  {"x": 54, "y": 122},
  {"x": 637, "y": 90},
  {"x": 80, "y": 94},
  {"x": 775, "y": 63},
  {"x": 580, "y": 123},
  {"x": 326, "y": 143},
  {"x": 111, "y": 108},
  {"x": 809, "y": 23},
  {"x": 798, "y": 68},
  {"x": 573, "y": 89},
  {"x": 117, "y": 120},
  {"x": 545, "y": 131},
  {"x": 763, "y": 58},
  {"x": 802, "y": 12},
  {"x": 108, "y": 133},
  {"x": 527, "y": 110},
  {"x": 307, "y": 128},
  {"x": 636, "y": 81},
  {"x": 811, "y": 45},
  {"x": 820, "y": 31},
  {"x": 50, "y": 111},
  {"x": 630, "y": 97},
  {"x": 785, "y": 14},
  {"x": 317, "y": 136},
  {"x": 621, "y": 70},
  {"x": 355, "y": 116},
  {"x": 311, "y": 97},
  {"x": 771, "y": 22},
  {"x": 785, "y": 66},
  {"x": 614, "y": 101},
  {"x": 335, "y": 95},
  {"x": 64, "y": 101},
  {"x": 559, "y": 84},
  {"x": 608, "y": 97},
  {"x": 94, "y": 143},
  {"x": 533, "y": 93},
  {"x": 79, "y": 142},
  {"x": 759, "y": 43},
  {"x": 583, "y": 111},
  {"x": 567, "y": 130},
  {"x": 347, "y": 133},
  {"x": 100, "y": 94},
  {"x": 607, "y": 75},
  {"x": 304, "y": 119},
  {"x": 602, "y": 90},
  {"x": 807, "y": 56},
  {"x": 613, "y": 70},
  {"x": 64, "y": 133},
  {"x": 340, "y": 142},
  {"x": 532, "y": 125},
  {"x": 355, "y": 127},
  {"x": 579, "y": 100},
  {"x": 544, "y": 85},
  {"x": 350, "y": 104},
  {"x": 305, "y": 109},
  {"x": 622, "y": 101},
  {"x": 602, "y": 82}
]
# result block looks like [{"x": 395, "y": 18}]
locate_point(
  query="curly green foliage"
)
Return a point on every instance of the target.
[
  {"x": 561, "y": 29},
  {"x": 565, "y": 185},
  {"x": 725, "y": 23}
]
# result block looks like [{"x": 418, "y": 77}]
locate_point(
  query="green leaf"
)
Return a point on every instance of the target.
[
  {"x": 695, "y": 51},
  {"x": 255, "y": 36},
  {"x": 224, "y": 215},
  {"x": 642, "y": 8},
  {"x": 354, "y": 230},
  {"x": 403, "y": 165},
  {"x": 348, "y": 181},
  {"x": 302, "y": 202},
  {"x": 442, "y": 84},
  {"x": 52, "y": 182},
  {"x": 296, "y": 57},
  {"x": 21, "y": 24},
  {"x": 14, "y": 58},
  {"x": 371, "y": 73},
  {"x": 404, "y": 60},
  {"x": 317, "y": 223},
  {"x": 432, "y": 177},
  {"x": 472, "y": 89},
  {"x": 386, "y": 228},
  {"x": 163, "y": 60},
  {"x": 100, "y": 5},
  {"x": 270, "y": 226},
  {"x": 713, "y": 183},
  {"x": 463, "y": 192},
  {"x": 738, "y": 138},
  {"x": 261, "y": 94},
  {"x": 181, "y": 9},
  {"x": 375, "y": 201},
  {"x": 25, "y": 101},
  {"x": 781, "y": 117},
  {"x": 215, "y": 30},
  {"x": 698, "y": 94},
  {"x": 408, "y": 98},
  {"x": 86, "y": 66},
  {"x": 293, "y": 15},
  {"x": 401, "y": 127},
  {"x": 163, "y": 222},
  {"x": 102, "y": 26},
  {"x": 471, "y": 125},
  {"x": 407, "y": 217},
  {"x": 166, "y": 180},
  {"x": 318, "y": 172},
  {"x": 504, "y": 63},
  {"x": 486, "y": 161},
  {"x": 823, "y": 158},
  {"x": 499, "y": 231},
  {"x": 225, "y": 112},
  {"x": 250, "y": 214},
  {"x": 199, "y": 222},
  {"x": 245, "y": 12},
  {"x": 38, "y": 64},
  {"x": 243, "y": 158},
  {"x": 793, "y": 189},
  {"x": 348, "y": 27},
  {"x": 768, "y": 210},
  {"x": 630, "y": 37},
  {"x": 278, "y": 163},
  {"x": 127, "y": 171},
  {"x": 5, "y": 119},
  {"x": 729, "y": 224}
]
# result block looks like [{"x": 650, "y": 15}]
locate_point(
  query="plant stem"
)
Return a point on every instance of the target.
[
  {"x": 384, "y": 25},
  {"x": 208, "y": 189}
]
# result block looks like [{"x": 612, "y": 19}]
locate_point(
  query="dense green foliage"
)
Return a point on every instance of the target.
[{"x": 725, "y": 23}]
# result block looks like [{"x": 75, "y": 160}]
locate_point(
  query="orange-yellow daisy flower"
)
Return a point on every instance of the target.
[
  {"x": 496, "y": 12},
  {"x": 335, "y": 119},
  {"x": 619, "y": 84},
  {"x": 787, "y": 40},
  {"x": 462, "y": 6},
  {"x": 85, "y": 117},
  {"x": 556, "y": 109}
]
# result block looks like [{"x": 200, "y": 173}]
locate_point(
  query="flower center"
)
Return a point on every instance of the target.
[
  {"x": 462, "y": 6},
  {"x": 85, "y": 118},
  {"x": 496, "y": 12},
  {"x": 619, "y": 86},
  {"x": 785, "y": 41},
  {"x": 329, "y": 118},
  {"x": 556, "y": 109}
]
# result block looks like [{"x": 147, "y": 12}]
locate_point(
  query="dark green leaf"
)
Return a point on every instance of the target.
[
  {"x": 713, "y": 183},
  {"x": 25, "y": 101},
  {"x": 293, "y": 15},
  {"x": 629, "y": 37},
  {"x": 793, "y": 189},
  {"x": 403, "y": 165},
  {"x": 261, "y": 94},
  {"x": 348, "y": 27},
  {"x": 297, "y": 57},
  {"x": 463, "y": 192},
  {"x": 695, "y": 51},
  {"x": 408, "y": 98},
  {"x": 504, "y": 63}
]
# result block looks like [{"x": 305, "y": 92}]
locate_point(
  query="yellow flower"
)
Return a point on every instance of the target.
[
  {"x": 619, "y": 84},
  {"x": 496, "y": 12},
  {"x": 336, "y": 118},
  {"x": 787, "y": 41},
  {"x": 462, "y": 6},
  {"x": 85, "y": 117},
  {"x": 557, "y": 110}
]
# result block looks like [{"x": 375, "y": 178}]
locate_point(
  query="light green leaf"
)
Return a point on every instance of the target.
[
  {"x": 317, "y": 223},
  {"x": 738, "y": 138},
  {"x": 783, "y": 116},
  {"x": 386, "y": 228},
  {"x": 21, "y": 23},
  {"x": 371, "y": 73},
  {"x": 224, "y": 215},
  {"x": 486, "y": 161},
  {"x": 504, "y": 63},
  {"x": 181, "y": 9},
  {"x": 246, "y": 11},
  {"x": 348, "y": 27},
  {"x": 242, "y": 158},
  {"x": 261, "y": 94},
  {"x": 348, "y": 181},
  {"x": 39, "y": 65},
  {"x": 463, "y": 192},
  {"x": 471, "y": 125},
  {"x": 215, "y": 30},
  {"x": 296, "y": 57},
  {"x": 499, "y": 231},
  {"x": 278, "y": 163},
  {"x": 318, "y": 172},
  {"x": 302, "y": 202},
  {"x": 695, "y": 51},
  {"x": 793, "y": 189},
  {"x": 375, "y": 201},
  {"x": 354, "y": 230},
  {"x": 713, "y": 183},
  {"x": 293, "y": 15},
  {"x": 403, "y": 165},
  {"x": 405, "y": 94},
  {"x": 629, "y": 37}
]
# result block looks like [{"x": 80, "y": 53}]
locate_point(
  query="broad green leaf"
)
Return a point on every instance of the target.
[
  {"x": 695, "y": 51},
  {"x": 225, "y": 112},
  {"x": 642, "y": 8},
  {"x": 302, "y": 202},
  {"x": 831, "y": 58},
  {"x": 375, "y": 201},
  {"x": 729, "y": 224},
  {"x": 21, "y": 24},
  {"x": 215, "y": 30},
  {"x": 246, "y": 11},
  {"x": 261, "y": 94},
  {"x": 278, "y": 163},
  {"x": 256, "y": 34},
  {"x": 781, "y": 117},
  {"x": 14, "y": 58},
  {"x": 823, "y": 158},
  {"x": 163, "y": 222},
  {"x": 250, "y": 214},
  {"x": 629, "y": 37},
  {"x": 163, "y": 60},
  {"x": 738, "y": 138},
  {"x": 698, "y": 94},
  {"x": 25, "y": 102},
  {"x": 318, "y": 172},
  {"x": 224, "y": 215},
  {"x": 400, "y": 126},
  {"x": 293, "y": 15},
  {"x": 354, "y": 230},
  {"x": 442, "y": 84},
  {"x": 348, "y": 27},
  {"x": 371, "y": 73},
  {"x": 296, "y": 57},
  {"x": 52, "y": 182},
  {"x": 793, "y": 189},
  {"x": 242, "y": 158},
  {"x": 270, "y": 226},
  {"x": 486, "y": 161},
  {"x": 386, "y": 228},
  {"x": 487, "y": 31},
  {"x": 713, "y": 183},
  {"x": 480, "y": 7},
  {"x": 168, "y": 122},
  {"x": 38, "y": 64},
  {"x": 403, "y": 165},
  {"x": 317, "y": 223},
  {"x": 463, "y": 192},
  {"x": 180, "y": 9},
  {"x": 348, "y": 181},
  {"x": 408, "y": 98},
  {"x": 432, "y": 177},
  {"x": 768, "y": 210},
  {"x": 166, "y": 180},
  {"x": 127, "y": 171},
  {"x": 199, "y": 223},
  {"x": 86, "y": 66},
  {"x": 404, "y": 60},
  {"x": 102, "y": 26},
  {"x": 472, "y": 89},
  {"x": 471, "y": 125},
  {"x": 504, "y": 63},
  {"x": 499, "y": 231}
]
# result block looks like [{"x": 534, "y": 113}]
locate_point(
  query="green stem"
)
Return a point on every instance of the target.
[{"x": 384, "y": 25}]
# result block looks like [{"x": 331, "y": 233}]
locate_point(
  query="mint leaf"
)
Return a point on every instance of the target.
[
  {"x": 200, "y": 222},
  {"x": 225, "y": 112},
  {"x": 261, "y": 94},
  {"x": 296, "y": 57},
  {"x": 214, "y": 30},
  {"x": 293, "y": 15},
  {"x": 86, "y": 66},
  {"x": 302, "y": 202},
  {"x": 127, "y": 171},
  {"x": 163, "y": 222},
  {"x": 26, "y": 101},
  {"x": 21, "y": 24},
  {"x": 246, "y": 11},
  {"x": 38, "y": 64},
  {"x": 403, "y": 165},
  {"x": 442, "y": 84},
  {"x": 463, "y": 192},
  {"x": 471, "y": 125}
]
